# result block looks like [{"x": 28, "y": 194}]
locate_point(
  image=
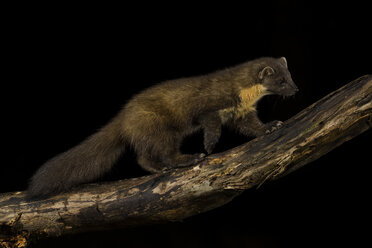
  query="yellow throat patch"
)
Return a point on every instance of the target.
[{"x": 248, "y": 100}]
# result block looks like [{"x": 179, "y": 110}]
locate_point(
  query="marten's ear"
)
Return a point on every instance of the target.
[
  {"x": 267, "y": 71},
  {"x": 283, "y": 60}
]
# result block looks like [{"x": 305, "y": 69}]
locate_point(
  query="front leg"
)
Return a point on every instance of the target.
[
  {"x": 251, "y": 125},
  {"x": 211, "y": 124}
]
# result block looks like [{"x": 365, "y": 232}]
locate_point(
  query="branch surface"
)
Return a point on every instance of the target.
[{"x": 177, "y": 194}]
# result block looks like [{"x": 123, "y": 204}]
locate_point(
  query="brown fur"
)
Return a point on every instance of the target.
[{"x": 155, "y": 121}]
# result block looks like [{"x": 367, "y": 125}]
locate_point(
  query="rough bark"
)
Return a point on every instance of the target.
[{"x": 177, "y": 194}]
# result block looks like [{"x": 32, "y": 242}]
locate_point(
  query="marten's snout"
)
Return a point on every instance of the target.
[
  {"x": 291, "y": 90},
  {"x": 296, "y": 89}
]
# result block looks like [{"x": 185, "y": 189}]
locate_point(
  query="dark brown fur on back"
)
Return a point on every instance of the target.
[{"x": 155, "y": 121}]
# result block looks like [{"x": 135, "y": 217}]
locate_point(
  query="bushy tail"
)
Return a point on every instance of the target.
[{"x": 81, "y": 164}]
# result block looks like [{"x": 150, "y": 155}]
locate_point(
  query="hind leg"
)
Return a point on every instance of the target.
[
  {"x": 165, "y": 154},
  {"x": 182, "y": 160},
  {"x": 169, "y": 162},
  {"x": 171, "y": 156},
  {"x": 150, "y": 165}
]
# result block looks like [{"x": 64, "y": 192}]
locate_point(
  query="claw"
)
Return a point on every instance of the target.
[
  {"x": 279, "y": 124},
  {"x": 273, "y": 126}
]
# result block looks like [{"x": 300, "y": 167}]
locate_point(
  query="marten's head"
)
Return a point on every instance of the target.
[{"x": 273, "y": 74}]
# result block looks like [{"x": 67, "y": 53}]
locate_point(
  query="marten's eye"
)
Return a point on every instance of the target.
[{"x": 282, "y": 81}]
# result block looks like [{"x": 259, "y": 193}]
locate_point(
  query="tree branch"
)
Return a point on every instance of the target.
[{"x": 177, "y": 194}]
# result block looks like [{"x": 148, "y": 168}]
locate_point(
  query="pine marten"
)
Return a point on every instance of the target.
[{"x": 155, "y": 121}]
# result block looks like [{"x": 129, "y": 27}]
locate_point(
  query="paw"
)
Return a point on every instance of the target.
[
  {"x": 195, "y": 159},
  {"x": 190, "y": 159},
  {"x": 198, "y": 157},
  {"x": 210, "y": 142},
  {"x": 209, "y": 147},
  {"x": 273, "y": 126}
]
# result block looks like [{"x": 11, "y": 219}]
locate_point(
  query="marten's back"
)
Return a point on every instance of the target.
[{"x": 179, "y": 101}]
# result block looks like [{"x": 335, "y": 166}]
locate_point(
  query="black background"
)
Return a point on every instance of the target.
[{"x": 69, "y": 69}]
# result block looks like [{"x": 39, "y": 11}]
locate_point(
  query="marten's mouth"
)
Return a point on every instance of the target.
[
  {"x": 283, "y": 94},
  {"x": 290, "y": 94}
]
